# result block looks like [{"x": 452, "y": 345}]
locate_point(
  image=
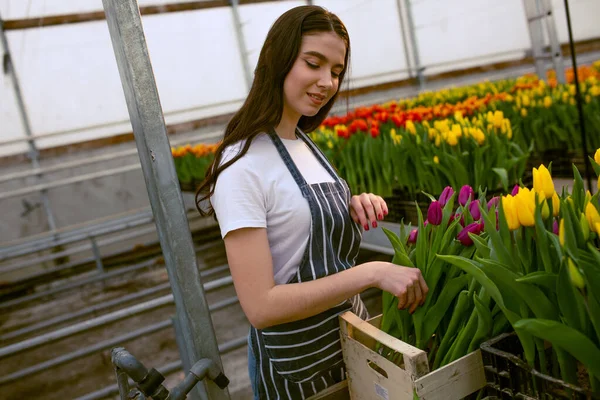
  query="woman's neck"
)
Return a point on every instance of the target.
[{"x": 286, "y": 129}]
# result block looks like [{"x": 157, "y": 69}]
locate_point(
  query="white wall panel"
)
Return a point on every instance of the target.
[
  {"x": 20, "y": 9},
  {"x": 375, "y": 37}
]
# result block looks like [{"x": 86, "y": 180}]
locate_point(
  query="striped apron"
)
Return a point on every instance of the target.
[{"x": 299, "y": 359}]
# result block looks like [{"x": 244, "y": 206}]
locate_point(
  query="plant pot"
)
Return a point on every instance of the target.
[{"x": 509, "y": 377}]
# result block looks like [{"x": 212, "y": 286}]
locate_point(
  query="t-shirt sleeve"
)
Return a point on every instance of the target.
[{"x": 238, "y": 198}]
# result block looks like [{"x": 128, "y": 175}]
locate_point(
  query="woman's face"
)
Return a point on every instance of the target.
[{"x": 314, "y": 77}]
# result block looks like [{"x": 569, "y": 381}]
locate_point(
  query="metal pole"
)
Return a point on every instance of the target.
[
  {"x": 588, "y": 173},
  {"x": 415, "y": 48},
  {"x": 33, "y": 151},
  {"x": 557, "y": 59},
  {"x": 239, "y": 33},
  {"x": 404, "y": 38}
]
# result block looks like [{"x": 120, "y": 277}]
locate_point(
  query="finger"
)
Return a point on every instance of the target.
[
  {"x": 357, "y": 206},
  {"x": 376, "y": 202},
  {"x": 384, "y": 206},
  {"x": 353, "y": 215},
  {"x": 423, "y": 286},
  {"x": 402, "y": 297},
  {"x": 410, "y": 298},
  {"x": 365, "y": 200},
  {"x": 418, "y": 297}
]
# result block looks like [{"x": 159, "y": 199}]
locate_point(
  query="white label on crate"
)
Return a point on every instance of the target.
[{"x": 381, "y": 391}]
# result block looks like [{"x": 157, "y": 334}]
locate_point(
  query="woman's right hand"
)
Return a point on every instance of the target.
[{"x": 406, "y": 283}]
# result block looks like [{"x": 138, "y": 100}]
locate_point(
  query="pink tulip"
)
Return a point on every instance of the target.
[
  {"x": 494, "y": 202},
  {"x": 412, "y": 237},
  {"x": 445, "y": 196},
  {"x": 515, "y": 190},
  {"x": 474, "y": 210},
  {"x": 465, "y": 194},
  {"x": 434, "y": 213},
  {"x": 555, "y": 227},
  {"x": 463, "y": 236}
]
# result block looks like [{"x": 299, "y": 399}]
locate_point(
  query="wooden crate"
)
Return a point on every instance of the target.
[{"x": 373, "y": 377}]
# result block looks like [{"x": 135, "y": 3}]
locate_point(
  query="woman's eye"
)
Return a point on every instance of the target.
[
  {"x": 311, "y": 65},
  {"x": 335, "y": 74}
]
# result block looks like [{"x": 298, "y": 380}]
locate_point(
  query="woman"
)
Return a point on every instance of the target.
[{"x": 291, "y": 228}]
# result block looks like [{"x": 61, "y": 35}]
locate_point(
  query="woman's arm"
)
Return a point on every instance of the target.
[{"x": 266, "y": 304}]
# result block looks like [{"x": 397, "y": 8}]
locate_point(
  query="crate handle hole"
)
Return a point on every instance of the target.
[{"x": 377, "y": 369}]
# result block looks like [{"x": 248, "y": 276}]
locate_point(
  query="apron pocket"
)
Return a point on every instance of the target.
[{"x": 301, "y": 350}]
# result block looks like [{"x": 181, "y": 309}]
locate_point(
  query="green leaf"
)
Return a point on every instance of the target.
[
  {"x": 569, "y": 339},
  {"x": 437, "y": 311},
  {"x": 474, "y": 268},
  {"x": 484, "y": 324},
  {"x": 535, "y": 298},
  {"x": 567, "y": 300},
  {"x": 503, "y": 174},
  {"x": 541, "y": 278}
]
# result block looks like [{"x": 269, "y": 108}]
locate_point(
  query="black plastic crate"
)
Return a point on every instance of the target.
[{"x": 509, "y": 377}]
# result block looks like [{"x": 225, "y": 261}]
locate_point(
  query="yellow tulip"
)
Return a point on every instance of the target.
[
  {"x": 542, "y": 181},
  {"x": 498, "y": 119},
  {"x": 525, "y": 206},
  {"x": 436, "y": 159},
  {"x": 410, "y": 126},
  {"x": 510, "y": 212},
  {"x": 526, "y": 101},
  {"x": 593, "y": 217},
  {"x": 547, "y": 101},
  {"x": 452, "y": 140},
  {"x": 457, "y": 130},
  {"x": 597, "y": 156},
  {"x": 575, "y": 275},
  {"x": 555, "y": 205},
  {"x": 523, "y": 112},
  {"x": 561, "y": 232}
]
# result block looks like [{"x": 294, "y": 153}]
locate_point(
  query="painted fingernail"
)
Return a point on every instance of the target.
[
  {"x": 366, "y": 227},
  {"x": 385, "y": 213},
  {"x": 380, "y": 217},
  {"x": 374, "y": 224}
]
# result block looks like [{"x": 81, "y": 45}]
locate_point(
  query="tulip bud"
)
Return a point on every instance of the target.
[
  {"x": 592, "y": 215},
  {"x": 494, "y": 201},
  {"x": 597, "y": 156},
  {"x": 561, "y": 232},
  {"x": 575, "y": 275},
  {"x": 434, "y": 213},
  {"x": 555, "y": 205},
  {"x": 412, "y": 237},
  {"x": 542, "y": 181},
  {"x": 474, "y": 210},
  {"x": 555, "y": 227},
  {"x": 585, "y": 227},
  {"x": 445, "y": 196},
  {"x": 515, "y": 190},
  {"x": 463, "y": 236},
  {"x": 465, "y": 194}
]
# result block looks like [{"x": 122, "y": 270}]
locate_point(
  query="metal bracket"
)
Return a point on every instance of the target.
[{"x": 149, "y": 382}]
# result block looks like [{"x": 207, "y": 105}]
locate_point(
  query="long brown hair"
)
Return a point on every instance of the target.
[{"x": 263, "y": 107}]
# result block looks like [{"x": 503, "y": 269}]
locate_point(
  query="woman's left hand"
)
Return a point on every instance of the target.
[{"x": 367, "y": 208}]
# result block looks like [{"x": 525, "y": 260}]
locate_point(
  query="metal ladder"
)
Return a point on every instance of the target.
[{"x": 539, "y": 16}]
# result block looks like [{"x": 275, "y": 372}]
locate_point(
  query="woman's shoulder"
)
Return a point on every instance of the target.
[{"x": 260, "y": 148}]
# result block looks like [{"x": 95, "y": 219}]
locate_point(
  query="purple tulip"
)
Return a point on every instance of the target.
[
  {"x": 515, "y": 190},
  {"x": 494, "y": 202},
  {"x": 474, "y": 210},
  {"x": 465, "y": 194},
  {"x": 445, "y": 196},
  {"x": 412, "y": 237},
  {"x": 463, "y": 236},
  {"x": 434, "y": 213},
  {"x": 555, "y": 227}
]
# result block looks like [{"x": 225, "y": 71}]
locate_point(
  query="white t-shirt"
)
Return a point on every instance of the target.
[{"x": 258, "y": 191}]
